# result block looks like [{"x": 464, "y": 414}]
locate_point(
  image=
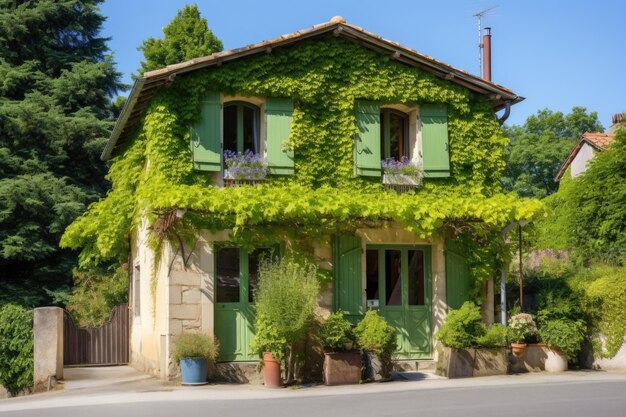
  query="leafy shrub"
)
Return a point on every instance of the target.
[
  {"x": 521, "y": 327},
  {"x": 565, "y": 335},
  {"x": 604, "y": 289},
  {"x": 285, "y": 301},
  {"x": 495, "y": 337},
  {"x": 375, "y": 335},
  {"x": 336, "y": 331},
  {"x": 463, "y": 327},
  {"x": 16, "y": 348},
  {"x": 95, "y": 294},
  {"x": 195, "y": 345}
]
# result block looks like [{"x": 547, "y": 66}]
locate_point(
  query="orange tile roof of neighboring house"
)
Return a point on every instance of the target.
[
  {"x": 599, "y": 141},
  {"x": 145, "y": 86}
]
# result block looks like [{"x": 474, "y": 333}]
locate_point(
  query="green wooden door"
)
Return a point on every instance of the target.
[
  {"x": 348, "y": 295},
  {"x": 236, "y": 274},
  {"x": 458, "y": 279},
  {"x": 398, "y": 277}
]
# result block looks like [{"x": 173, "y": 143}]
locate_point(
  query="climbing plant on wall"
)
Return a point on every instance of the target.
[{"x": 154, "y": 173}]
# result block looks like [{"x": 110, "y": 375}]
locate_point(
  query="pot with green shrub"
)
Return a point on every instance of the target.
[
  {"x": 342, "y": 363},
  {"x": 378, "y": 340},
  {"x": 470, "y": 349},
  {"x": 194, "y": 352},
  {"x": 285, "y": 300},
  {"x": 564, "y": 339}
]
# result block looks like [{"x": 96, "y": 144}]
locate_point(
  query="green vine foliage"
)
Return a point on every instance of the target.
[{"x": 324, "y": 77}]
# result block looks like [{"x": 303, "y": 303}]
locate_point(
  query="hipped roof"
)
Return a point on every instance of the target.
[{"x": 145, "y": 86}]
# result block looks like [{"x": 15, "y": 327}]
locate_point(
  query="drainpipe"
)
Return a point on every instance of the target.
[{"x": 507, "y": 112}]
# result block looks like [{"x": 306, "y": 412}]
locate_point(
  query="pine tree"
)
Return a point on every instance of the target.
[
  {"x": 56, "y": 80},
  {"x": 187, "y": 36}
]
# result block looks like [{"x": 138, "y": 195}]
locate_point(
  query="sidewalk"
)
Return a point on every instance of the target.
[{"x": 88, "y": 386}]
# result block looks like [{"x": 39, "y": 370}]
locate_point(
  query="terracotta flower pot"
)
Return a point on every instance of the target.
[
  {"x": 271, "y": 371},
  {"x": 518, "y": 349}
]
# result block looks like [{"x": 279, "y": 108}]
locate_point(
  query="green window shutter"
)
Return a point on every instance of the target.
[
  {"x": 458, "y": 278},
  {"x": 205, "y": 135},
  {"x": 367, "y": 148},
  {"x": 435, "y": 140},
  {"x": 347, "y": 293},
  {"x": 279, "y": 112}
]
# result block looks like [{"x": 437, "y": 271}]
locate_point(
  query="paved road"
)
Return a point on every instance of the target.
[{"x": 569, "y": 394}]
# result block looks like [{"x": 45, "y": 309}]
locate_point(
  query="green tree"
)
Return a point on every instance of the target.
[
  {"x": 588, "y": 213},
  {"x": 186, "y": 37},
  {"x": 600, "y": 199},
  {"x": 540, "y": 146},
  {"x": 55, "y": 116}
]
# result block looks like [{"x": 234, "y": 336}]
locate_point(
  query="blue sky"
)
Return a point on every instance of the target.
[{"x": 555, "y": 53}]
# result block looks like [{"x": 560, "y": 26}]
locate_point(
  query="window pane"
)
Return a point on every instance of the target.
[
  {"x": 393, "y": 281},
  {"x": 250, "y": 129},
  {"x": 227, "y": 275},
  {"x": 416, "y": 278},
  {"x": 230, "y": 128},
  {"x": 371, "y": 270},
  {"x": 396, "y": 135},
  {"x": 253, "y": 270}
]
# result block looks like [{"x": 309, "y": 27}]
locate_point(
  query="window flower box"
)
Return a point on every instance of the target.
[
  {"x": 401, "y": 176},
  {"x": 248, "y": 168}
]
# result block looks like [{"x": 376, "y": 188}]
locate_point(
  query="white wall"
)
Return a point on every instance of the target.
[{"x": 580, "y": 162}]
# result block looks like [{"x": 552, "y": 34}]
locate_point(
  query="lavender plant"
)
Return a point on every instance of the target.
[
  {"x": 402, "y": 171},
  {"x": 246, "y": 166}
]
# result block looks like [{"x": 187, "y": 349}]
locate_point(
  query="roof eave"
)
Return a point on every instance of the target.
[{"x": 123, "y": 118}]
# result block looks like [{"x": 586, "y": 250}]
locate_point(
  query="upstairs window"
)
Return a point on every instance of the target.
[
  {"x": 241, "y": 127},
  {"x": 394, "y": 134}
]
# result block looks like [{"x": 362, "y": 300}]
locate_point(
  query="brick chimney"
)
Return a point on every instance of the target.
[{"x": 619, "y": 121}]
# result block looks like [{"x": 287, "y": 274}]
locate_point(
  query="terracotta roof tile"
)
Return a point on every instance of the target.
[{"x": 600, "y": 140}]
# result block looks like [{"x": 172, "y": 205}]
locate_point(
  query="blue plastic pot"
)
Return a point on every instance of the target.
[{"x": 194, "y": 371}]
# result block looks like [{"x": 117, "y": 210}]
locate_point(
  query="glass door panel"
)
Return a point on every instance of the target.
[
  {"x": 228, "y": 275},
  {"x": 393, "y": 277},
  {"x": 416, "y": 277}
]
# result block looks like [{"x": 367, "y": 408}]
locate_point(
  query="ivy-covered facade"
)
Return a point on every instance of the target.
[{"x": 377, "y": 163}]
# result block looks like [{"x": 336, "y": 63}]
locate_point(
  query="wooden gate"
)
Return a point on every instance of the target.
[{"x": 105, "y": 345}]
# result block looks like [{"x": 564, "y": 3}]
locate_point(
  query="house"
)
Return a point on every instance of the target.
[
  {"x": 586, "y": 148},
  {"x": 384, "y": 169}
]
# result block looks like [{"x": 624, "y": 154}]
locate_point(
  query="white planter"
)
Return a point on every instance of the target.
[
  {"x": 400, "y": 179},
  {"x": 555, "y": 361}
]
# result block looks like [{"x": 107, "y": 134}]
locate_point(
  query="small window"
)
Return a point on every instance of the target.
[
  {"x": 241, "y": 127},
  {"x": 394, "y": 134}
]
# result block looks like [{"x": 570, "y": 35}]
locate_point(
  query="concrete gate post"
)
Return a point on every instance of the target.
[{"x": 48, "y": 352}]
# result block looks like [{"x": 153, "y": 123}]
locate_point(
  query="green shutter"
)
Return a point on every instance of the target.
[
  {"x": 347, "y": 293},
  {"x": 435, "y": 140},
  {"x": 279, "y": 112},
  {"x": 367, "y": 148},
  {"x": 205, "y": 135},
  {"x": 458, "y": 278}
]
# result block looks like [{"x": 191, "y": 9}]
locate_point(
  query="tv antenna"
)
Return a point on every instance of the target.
[{"x": 480, "y": 15}]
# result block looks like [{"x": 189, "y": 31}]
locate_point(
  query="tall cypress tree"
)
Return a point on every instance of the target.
[{"x": 56, "y": 81}]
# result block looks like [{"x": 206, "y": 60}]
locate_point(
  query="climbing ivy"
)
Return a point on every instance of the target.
[{"x": 324, "y": 77}]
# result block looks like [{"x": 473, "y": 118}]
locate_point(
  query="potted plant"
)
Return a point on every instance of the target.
[
  {"x": 248, "y": 168},
  {"x": 470, "y": 349},
  {"x": 378, "y": 341},
  {"x": 402, "y": 173},
  {"x": 285, "y": 301},
  {"x": 342, "y": 363},
  {"x": 521, "y": 327},
  {"x": 193, "y": 351},
  {"x": 564, "y": 339}
]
